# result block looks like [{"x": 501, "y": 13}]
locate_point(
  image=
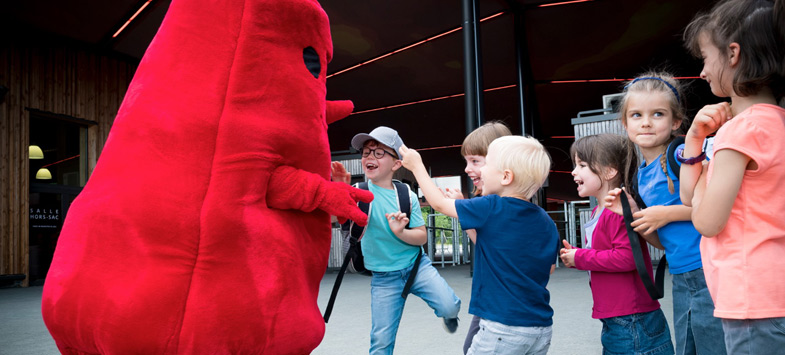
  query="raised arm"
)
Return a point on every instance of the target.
[
  {"x": 411, "y": 160},
  {"x": 708, "y": 120},
  {"x": 292, "y": 188}
]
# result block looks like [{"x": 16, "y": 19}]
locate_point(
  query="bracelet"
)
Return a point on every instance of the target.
[{"x": 689, "y": 161}]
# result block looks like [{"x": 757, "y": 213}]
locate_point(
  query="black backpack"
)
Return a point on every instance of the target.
[
  {"x": 655, "y": 288},
  {"x": 352, "y": 234}
]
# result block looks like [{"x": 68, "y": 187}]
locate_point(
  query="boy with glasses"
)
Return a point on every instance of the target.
[{"x": 389, "y": 249}]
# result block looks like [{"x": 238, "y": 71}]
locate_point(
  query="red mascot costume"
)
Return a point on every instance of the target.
[{"x": 204, "y": 228}]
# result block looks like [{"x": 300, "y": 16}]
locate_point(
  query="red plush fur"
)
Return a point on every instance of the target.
[{"x": 205, "y": 225}]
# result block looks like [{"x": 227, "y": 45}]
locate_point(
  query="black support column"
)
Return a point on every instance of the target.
[
  {"x": 526, "y": 97},
  {"x": 472, "y": 66}
]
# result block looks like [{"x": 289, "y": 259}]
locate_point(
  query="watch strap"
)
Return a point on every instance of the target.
[{"x": 689, "y": 161}]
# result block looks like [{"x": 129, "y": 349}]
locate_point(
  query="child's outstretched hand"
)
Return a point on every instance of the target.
[
  {"x": 397, "y": 221},
  {"x": 709, "y": 119},
  {"x": 454, "y": 194},
  {"x": 645, "y": 221},
  {"x": 567, "y": 254},
  {"x": 612, "y": 202},
  {"x": 338, "y": 173},
  {"x": 410, "y": 158},
  {"x": 649, "y": 220}
]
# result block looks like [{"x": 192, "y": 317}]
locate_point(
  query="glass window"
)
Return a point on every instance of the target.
[{"x": 63, "y": 145}]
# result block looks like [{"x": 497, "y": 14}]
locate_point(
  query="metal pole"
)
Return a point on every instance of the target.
[
  {"x": 523, "y": 67},
  {"x": 525, "y": 85},
  {"x": 472, "y": 74},
  {"x": 478, "y": 82},
  {"x": 472, "y": 71}
]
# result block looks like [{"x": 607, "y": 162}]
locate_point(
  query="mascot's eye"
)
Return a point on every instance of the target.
[{"x": 311, "y": 59}]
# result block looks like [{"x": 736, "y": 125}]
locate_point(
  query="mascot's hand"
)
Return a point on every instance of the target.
[
  {"x": 341, "y": 201},
  {"x": 292, "y": 188}
]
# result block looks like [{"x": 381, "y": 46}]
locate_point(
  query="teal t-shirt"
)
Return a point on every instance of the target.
[{"x": 382, "y": 250}]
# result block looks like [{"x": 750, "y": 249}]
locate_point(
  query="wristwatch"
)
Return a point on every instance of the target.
[{"x": 689, "y": 161}]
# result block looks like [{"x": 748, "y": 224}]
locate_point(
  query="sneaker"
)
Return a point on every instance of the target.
[{"x": 451, "y": 324}]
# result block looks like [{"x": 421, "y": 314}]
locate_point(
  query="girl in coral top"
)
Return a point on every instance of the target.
[
  {"x": 737, "y": 200},
  {"x": 632, "y": 322}
]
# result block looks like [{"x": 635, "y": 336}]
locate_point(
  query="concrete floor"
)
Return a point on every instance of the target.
[{"x": 22, "y": 330}]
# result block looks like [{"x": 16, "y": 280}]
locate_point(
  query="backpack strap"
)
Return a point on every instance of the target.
[
  {"x": 356, "y": 233},
  {"x": 337, "y": 285},
  {"x": 405, "y": 206},
  {"x": 655, "y": 288},
  {"x": 404, "y": 202}
]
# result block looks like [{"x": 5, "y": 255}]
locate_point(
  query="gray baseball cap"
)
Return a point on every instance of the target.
[{"x": 381, "y": 134}]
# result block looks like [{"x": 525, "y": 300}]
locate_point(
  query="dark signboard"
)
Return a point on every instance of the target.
[{"x": 44, "y": 217}]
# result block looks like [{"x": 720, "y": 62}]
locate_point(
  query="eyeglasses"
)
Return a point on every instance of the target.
[{"x": 378, "y": 153}]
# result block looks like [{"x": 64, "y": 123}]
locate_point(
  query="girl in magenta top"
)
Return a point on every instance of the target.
[{"x": 632, "y": 321}]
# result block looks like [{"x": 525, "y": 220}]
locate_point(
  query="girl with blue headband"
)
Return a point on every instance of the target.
[{"x": 652, "y": 113}]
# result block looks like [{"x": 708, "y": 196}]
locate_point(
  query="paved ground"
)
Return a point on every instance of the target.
[{"x": 23, "y": 332}]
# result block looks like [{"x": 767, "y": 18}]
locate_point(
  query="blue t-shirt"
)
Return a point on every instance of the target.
[
  {"x": 382, "y": 250},
  {"x": 517, "y": 242},
  {"x": 680, "y": 239}
]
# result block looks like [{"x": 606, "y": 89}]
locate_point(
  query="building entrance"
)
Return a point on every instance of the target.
[{"x": 58, "y": 171}]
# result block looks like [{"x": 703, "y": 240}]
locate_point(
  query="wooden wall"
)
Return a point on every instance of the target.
[{"x": 62, "y": 79}]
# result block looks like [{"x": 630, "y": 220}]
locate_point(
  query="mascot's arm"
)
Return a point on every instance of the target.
[
  {"x": 338, "y": 109},
  {"x": 292, "y": 188}
]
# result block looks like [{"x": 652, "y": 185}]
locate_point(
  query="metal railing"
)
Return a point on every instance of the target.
[{"x": 447, "y": 245}]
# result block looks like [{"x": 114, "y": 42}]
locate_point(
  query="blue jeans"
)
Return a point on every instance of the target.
[
  {"x": 387, "y": 303},
  {"x": 640, "y": 334},
  {"x": 501, "y": 339},
  {"x": 695, "y": 326},
  {"x": 755, "y": 336}
]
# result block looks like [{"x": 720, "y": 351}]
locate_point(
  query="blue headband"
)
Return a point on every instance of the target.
[{"x": 675, "y": 92}]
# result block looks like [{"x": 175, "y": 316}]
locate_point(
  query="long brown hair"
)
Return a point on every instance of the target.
[{"x": 607, "y": 150}]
